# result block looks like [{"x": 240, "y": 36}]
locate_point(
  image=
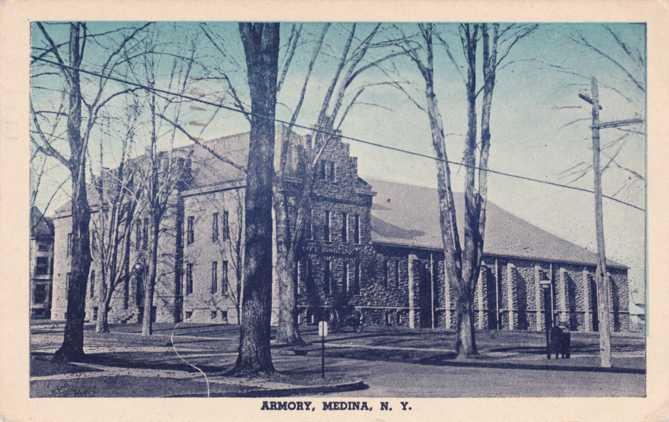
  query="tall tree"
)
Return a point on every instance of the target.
[
  {"x": 79, "y": 129},
  {"x": 463, "y": 264},
  {"x": 117, "y": 200},
  {"x": 261, "y": 49},
  {"x": 292, "y": 203}
]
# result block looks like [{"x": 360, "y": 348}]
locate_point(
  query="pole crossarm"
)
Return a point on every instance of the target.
[{"x": 620, "y": 123}]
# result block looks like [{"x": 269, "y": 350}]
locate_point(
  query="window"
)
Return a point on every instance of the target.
[
  {"x": 214, "y": 277},
  {"x": 95, "y": 313},
  {"x": 298, "y": 277},
  {"x": 189, "y": 278},
  {"x": 92, "y": 281},
  {"x": 42, "y": 265},
  {"x": 344, "y": 227},
  {"x": 226, "y": 225},
  {"x": 224, "y": 316},
  {"x": 214, "y": 227},
  {"x": 354, "y": 285},
  {"x": 94, "y": 240},
  {"x": 213, "y": 314},
  {"x": 356, "y": 228},
  {"x": 310, "y": 225},
  {"x": 145, "y": 235},
  {"x": 68, "y": 276},
  {"x": 322, "y": 170},
  {"x": 397, "y": 272},
  {"x": 224, "y": 278},
  {"x": 138, "y": 234},
  {"x": 70, "y": 243},
  {"x": 388, "y": 272},
  {"x": 43, "y": 247},
  {"x": 327, "y": 276},
  {"x": 190, "y": 235},
  {"x": 327, "y": 170},
  {"x": 189, "y": 314},
  {"x": 39, "y": 293},
  {"x": 346, "y": 283},
  {"x": 326, "y": 227}
]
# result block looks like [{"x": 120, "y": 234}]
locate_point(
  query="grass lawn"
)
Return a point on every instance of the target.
[{"x": 391, "y": 362}]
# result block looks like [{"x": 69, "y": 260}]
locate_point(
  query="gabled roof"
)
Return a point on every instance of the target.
[{"x": 407, "y": 215}]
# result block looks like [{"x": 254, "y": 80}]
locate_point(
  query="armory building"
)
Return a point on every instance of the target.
[{"x": 372, "y": 243}]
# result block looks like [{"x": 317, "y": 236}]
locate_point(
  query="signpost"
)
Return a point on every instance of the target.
[{"x": 322, "y": 333}]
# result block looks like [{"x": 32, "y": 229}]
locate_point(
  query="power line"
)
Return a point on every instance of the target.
[{"x": 330, "y": 133}]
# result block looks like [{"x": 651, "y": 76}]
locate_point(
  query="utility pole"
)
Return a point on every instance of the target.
[{"x": 601, "y": 278}]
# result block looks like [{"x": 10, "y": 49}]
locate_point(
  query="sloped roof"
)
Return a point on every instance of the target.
[
  {"x": 408, "y": 215},
  {"x": 40, "y": 225}
]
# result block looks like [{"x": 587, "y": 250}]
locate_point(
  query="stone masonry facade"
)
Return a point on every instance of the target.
[{"x": 391, "y": 284}]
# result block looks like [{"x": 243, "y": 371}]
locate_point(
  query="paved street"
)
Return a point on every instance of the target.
[{"x": 391, "y": 362}]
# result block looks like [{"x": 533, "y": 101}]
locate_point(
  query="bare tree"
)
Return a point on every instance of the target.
[
  {"x": 79, "y": 129},
  {"x": 234, "y": 252},
  {"x": 463, "y": 264},
  {"x": 627, "y": 63},
  {"x": 159, "y": 172},
  {"x": 292, "y": 204},
  {"x": 117, "y": 203},
  {"x": 261, "y": 48}
]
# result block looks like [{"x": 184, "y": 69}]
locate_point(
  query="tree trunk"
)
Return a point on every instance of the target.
[
  {"x": 261, "y": 47},
  {"x": 471, "y": 260},
  {"x": 73, "y": 338},
  {"x": 102, "y": 324},
  {"x": 465, "y": 342},
  {"x": 150, "y": 281},
  {"x": 288, "y": 329}
]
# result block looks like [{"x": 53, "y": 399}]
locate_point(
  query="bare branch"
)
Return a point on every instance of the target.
[{"x": 203, "y": 145}]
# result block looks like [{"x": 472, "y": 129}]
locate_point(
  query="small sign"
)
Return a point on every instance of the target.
[{"x": 323, "y": 329}]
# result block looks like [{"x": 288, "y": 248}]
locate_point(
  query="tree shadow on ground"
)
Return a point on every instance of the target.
[
  {"x": 143, "y": 361},
  {"x": 41, "y": 365},
  {"x": 449, "y": 359}
]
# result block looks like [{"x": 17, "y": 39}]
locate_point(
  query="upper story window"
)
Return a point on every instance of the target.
[
  {"x": 347, "y": 278},
  {"x": 68, "y": 276},
  {"x": 310, "y": 225},
  {"x": 214, "y": 227},
  {"x": 39, "y": 293},
  {"x": 226, "y": 225},
  {"x": 145, "y": 235},
  {"x": 328, "y": 276},
  {"x": 138, "y": 234},
  {"x": 356, "y": 228},
  {"x": 190, "y": 234},
  {"x": 214, "y": 277},
  {"x": 189, "y": 278},
  {"x": 344, "y": 227},
  {"x": 327, "y": 233},
  {"x": 43, "y": 247},
  {"x": 92, "y": 282},
  {"x": 70, "y": 243},
  {"x": 225, "y": 285},
  {"x": 327, "y": 170},
  {"x": 94, "y": 240},
  {"x": 355, "y": 287},
  {"x": 42, "y": 265}
]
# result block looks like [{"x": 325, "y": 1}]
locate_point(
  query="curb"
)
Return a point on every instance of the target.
[{"x": 291, "y": 391}]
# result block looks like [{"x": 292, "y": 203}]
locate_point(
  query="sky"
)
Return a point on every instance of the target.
[{"x": 539, "y": 126}]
